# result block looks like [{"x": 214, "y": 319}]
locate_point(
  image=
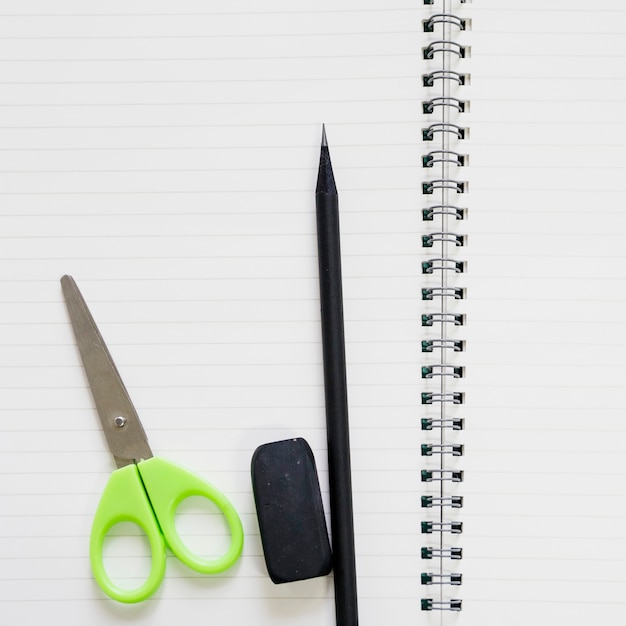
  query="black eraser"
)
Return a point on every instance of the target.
[{"x": 290, "y": 511}]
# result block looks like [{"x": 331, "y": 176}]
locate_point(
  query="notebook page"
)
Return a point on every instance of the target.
[
  {"x": 545, "y": 505},
  {"x": 165, "y": 154}
]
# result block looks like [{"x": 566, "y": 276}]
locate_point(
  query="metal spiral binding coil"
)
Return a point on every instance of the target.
[
  {"x": 429, "y": 604},
  {"x": 455, "y": 502},
  {"x": 429, "y": 578},
  {"x": 442, "y": 369},
  {"x": 454, "y": 449},
  {"x": 443, "y": 264},
  {"x": 428, "y": 134},
  {"x": 443, "y": 292},
  {"x": 455, "y": 476},
  {"x": 435, "y": 553},
  {"x": 440, "y": 344},
  {"x": 444, "y": 46},
  {"x": 444, "y": 156},
  {"x": 440, "y": 18},
  {"x": 428, "y": 80},
  {"x": 429, "y": 106},
  {"x": 453, "y": 528},
  {"x": 439, "y": 184},
  {"x": 429, "y": 213},
  {"x": 448, "y": 237},
  {"x": 443, "y": 318},
  {"x": 429, "y": 423},
  {"x": 442, "y": 165}
]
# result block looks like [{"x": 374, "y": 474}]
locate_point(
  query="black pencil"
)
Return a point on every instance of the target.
[{"x": 335, "y": 388}]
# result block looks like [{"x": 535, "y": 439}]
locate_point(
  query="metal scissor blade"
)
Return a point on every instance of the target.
[{"x": 121, "y": 425}]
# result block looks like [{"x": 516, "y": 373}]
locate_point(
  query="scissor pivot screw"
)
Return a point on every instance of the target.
[{"x": 120, "y": 421}]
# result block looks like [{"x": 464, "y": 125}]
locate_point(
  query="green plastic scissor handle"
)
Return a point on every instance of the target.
[{"x": 124, "y": 500}]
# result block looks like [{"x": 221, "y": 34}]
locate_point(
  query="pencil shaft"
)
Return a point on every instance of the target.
[{"x": 335, "y": 386}]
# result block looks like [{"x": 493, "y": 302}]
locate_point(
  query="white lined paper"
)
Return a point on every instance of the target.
[{"x": 165, "y": 156}]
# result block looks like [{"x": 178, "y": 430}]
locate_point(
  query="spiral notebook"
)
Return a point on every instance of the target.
[
  {"x": 523, "y": 199},
  {"x": 165, "y": 153}
]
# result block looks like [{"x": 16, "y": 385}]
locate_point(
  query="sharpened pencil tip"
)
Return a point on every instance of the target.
[{"x": 325, "y": 177}]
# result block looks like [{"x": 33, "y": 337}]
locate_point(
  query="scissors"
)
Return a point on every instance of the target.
[{"x": 144, "y": 490}]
